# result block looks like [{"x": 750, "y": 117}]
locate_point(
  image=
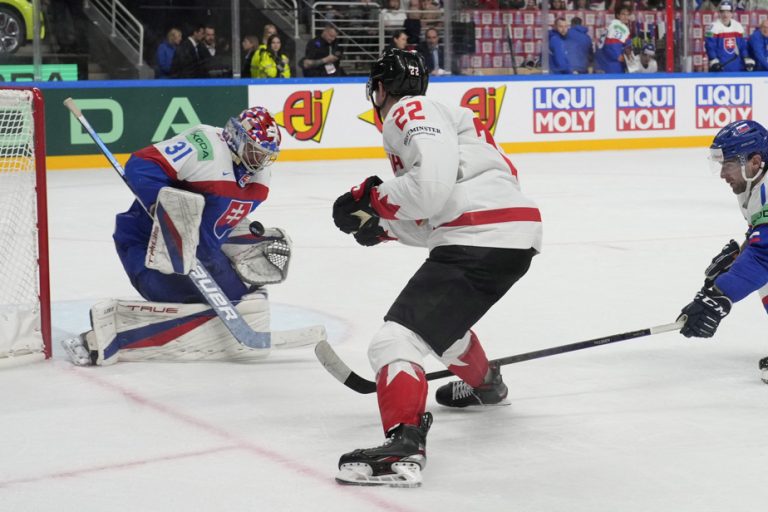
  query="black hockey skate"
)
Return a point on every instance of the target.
[
  {"x": 764, "y": 369},
  {"x": 460, "y": 394},
  {"x": 396, "y": 463}
]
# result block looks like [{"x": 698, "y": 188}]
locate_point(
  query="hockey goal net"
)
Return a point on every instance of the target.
[{"x": 25, "y": 327}]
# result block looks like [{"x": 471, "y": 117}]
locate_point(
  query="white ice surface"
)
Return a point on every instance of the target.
[{"x": 655, "y": 424}]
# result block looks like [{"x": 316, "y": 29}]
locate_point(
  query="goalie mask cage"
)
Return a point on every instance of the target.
[{"x": 25, "y": 325}]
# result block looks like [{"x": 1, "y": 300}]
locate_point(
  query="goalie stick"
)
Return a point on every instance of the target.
[
  {"x": 336, "y": 367},
  {"x": 202, "y": 279}
]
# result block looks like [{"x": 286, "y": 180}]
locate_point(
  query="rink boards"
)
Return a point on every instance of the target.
[{"x": 332, "y": 119}]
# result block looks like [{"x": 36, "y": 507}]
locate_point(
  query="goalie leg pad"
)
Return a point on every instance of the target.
[
  {"x": 259, "y": 260},
  {"x": 175, "y": 231},
  {"x": 144, "y": 331}
]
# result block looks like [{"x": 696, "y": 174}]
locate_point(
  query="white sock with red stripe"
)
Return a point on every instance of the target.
[{"x": 402, "y": 391}]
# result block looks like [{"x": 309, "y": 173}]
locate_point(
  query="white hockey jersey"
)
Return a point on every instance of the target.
[{"x": 453, "y": 185}]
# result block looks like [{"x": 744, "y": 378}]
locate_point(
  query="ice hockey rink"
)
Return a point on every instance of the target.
[{"x": 660, "y": 423}]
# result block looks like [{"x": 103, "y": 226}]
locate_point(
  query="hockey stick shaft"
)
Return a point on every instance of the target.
[
  {"x": 336, "y": 367},
  {"x": 511, "y": 48},
  {"x": 200, "y": 277}
]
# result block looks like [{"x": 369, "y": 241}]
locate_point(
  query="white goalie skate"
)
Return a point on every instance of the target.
[{"x": 77, "y": 350}]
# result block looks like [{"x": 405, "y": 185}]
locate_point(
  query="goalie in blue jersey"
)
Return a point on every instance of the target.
[
  {"x": 739, "y": 152},
  {"x": 199, "y": 188}
]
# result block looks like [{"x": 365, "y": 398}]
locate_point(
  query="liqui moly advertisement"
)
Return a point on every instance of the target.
[
  {"x": 563, "y": 109},
  {"x": 645, "y": 107},
  {"x": 720, "y": 104}
]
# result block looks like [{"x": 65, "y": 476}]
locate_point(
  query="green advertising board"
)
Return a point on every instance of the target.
[
  {"x": 129, "y": 118},
  {"x": 48, "y": 73}
]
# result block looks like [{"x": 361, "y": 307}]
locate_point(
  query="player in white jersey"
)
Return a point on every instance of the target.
[
  {"x": 740, "y": 152},
  {"x": 457, "y": 194},
  {"x": 199, "y": 187}
]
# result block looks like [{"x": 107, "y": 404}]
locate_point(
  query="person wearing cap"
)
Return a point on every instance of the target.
[
  {"x": 725, "y": 44},
  {"x": 758, "y": 46},
  {"x": 645, "y": 62}
]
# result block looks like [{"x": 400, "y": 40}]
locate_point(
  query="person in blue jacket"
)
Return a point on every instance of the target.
[
  {"x": 559, "y": 63},
  {"x": 164, "y": 54},
  {"x": 740, "y": 152},
  {"x": 578, "y": 46},
  {"x": 758, "y": 46},
  {"x": 609, "y": 57},
  {"x": 725, "y": 44}
]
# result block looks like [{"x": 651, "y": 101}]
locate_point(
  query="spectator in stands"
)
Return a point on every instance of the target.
[
  {"x": 323, "y": 55},
  {"x": 207, "y": 51},
  {"x": 186, "y": 59},
  {"x": 431, "y": 15},
  {"x": 432, "y": 51},
  {"x": 609, "y": 57},
  {"x": 578, "y": 46},
  {"x": 579, "y": 5},
  {"x": 724, "y": 41},
  {"x": 643, "y": 63},
  {"x": 269, "y": 31},
  {"x": 273, "y": 63},
  {"x": 557, "y": 5},
  {"x": 707, "y": 5},
  {"x": 248, "y": 66},
  {"x": 393, "y": 16},
  {"x": 68, "y": 23},
  {"x": 758, "y": 46},
  {"x": 164, "y": 53},
  {"x": 530, "y": 5},
  {"x": 558, "y": 55}
]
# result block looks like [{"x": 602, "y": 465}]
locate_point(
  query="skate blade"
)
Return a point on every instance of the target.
[{"x": 405, "y": 474}]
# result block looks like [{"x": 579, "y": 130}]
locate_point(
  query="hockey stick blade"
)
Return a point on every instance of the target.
[
  {"x": 338, "y": 368},
  {"x": 295, "y": 338},
  {"x": 199, "y": 275}
]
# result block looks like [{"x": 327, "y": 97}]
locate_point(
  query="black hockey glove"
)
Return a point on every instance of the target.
[
  {"x": 704, "y": 313},
  {"x": 715, "y": 66},
  {"x": 370, "y": 233},
  {"x": 353, "y": 209},
  {"x": 721, "y": 263}
]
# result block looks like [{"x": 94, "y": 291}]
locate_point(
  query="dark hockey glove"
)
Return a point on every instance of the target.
[
  {"x": 721, "y": 263},
  {"x": 704, "y": 313},
  {"x": 353, "y": 209},
  {"x": 715, "y": 66},
  {"x": 370, "y": 233}
]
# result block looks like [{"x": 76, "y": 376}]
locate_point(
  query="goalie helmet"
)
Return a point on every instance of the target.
[
  {"x": 738, "y": 142},
  {"x": 254, "y": 137},
  {"x": 402, "y": 72}
]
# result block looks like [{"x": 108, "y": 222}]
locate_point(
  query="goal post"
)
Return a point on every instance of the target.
[{"x": 25, "y": 315}]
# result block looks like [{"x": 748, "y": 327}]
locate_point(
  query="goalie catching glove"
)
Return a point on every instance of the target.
[
  {"x": 258, "y": 259},
  {"x": 353, "y": 214}
]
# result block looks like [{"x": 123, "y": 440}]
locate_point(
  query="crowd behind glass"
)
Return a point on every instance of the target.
[{"x": 585, "y": 36}]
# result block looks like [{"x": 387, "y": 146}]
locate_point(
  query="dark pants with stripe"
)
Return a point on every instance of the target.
[{"x": 454, "y": 288}]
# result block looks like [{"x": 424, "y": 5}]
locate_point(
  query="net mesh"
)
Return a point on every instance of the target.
[{"x": 19, "y": 304}]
